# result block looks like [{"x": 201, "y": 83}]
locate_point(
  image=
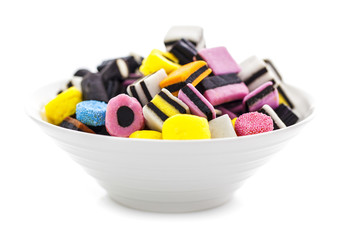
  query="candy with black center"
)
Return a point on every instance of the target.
[{"x": 265, "y": 94}]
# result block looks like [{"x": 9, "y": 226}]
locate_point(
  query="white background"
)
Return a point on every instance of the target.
[{"x": 310, "y": 190}]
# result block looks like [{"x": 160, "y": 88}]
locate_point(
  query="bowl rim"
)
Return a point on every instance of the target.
[{"x": 40, "y": 121}]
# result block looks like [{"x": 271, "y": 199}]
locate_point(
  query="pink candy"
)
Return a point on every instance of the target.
[{"x": 253, "y": 123}]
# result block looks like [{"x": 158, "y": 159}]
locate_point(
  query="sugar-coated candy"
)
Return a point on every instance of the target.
[
  {"x": 184, "y": 51},
  {"x": 73, "y": 124},
  {"x": 93, "y": 88},
  {"x": 277, "y": 122},
  {"x": 158, "y": 60},
  {"x": 286, "y": 115},
  {"x": 256, "y": 72},
  {"x": 223, "y": 89},
  {"x": 193, "y": 34},
  {"x": 146, "y": 134},
  {"x": 186, "y": 127},
  {"x": 146, "y": 88},
  {"x": 265, "y": 94},
  {"x": 219, "y": 60},
  {"x": 253, "y": 123},
  {"x": 123, "y": 116},
  {"x": 91, "y": 112},
  {"x": 193, "y": 73},
  {"x": 161, "y": 107},
  {"x": 63, "y": 105},
  {"x": 222, "y": 127},
  {"x": 197, "y": 103}
]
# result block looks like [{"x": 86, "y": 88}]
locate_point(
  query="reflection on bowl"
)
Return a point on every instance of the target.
[{"x": 169, "y": 175}]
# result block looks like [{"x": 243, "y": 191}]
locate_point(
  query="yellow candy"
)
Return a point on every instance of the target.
[
  {"x": 233, "y": 122},
  {"x": 186, "y": 127},
  {"x": 147, "y": 134},
  {"x": 282, "y": 100},
  {"x": 63, "y": 105},
  {"x": 157, "y": 60}
]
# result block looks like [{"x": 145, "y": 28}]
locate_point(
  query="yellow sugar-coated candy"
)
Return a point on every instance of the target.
[
  {"x": 147, "y": 134},
  {"x": 186, "y": 127},
  {"x": 63, "y": 105},
  {"x": 158, "y": 60},
  {"x": 233, "y": 122}
]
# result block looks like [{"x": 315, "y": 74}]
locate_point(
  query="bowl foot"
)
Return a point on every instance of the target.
[{"x": 171, "y": 207}]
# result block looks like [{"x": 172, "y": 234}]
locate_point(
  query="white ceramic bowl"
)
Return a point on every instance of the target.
[{"x": 168, "y": 175}]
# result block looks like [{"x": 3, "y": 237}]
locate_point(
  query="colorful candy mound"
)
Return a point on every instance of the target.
[{"x": 187, "y": 91}]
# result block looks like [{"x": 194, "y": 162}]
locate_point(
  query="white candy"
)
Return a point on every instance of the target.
[
  {"x": 192, "y": 33},
  {"x": 222, "y": 127}
]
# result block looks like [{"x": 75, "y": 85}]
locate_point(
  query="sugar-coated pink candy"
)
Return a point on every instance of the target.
[
  {"x": 253, "y": 123},
  {"x": 123, "y": 116}
]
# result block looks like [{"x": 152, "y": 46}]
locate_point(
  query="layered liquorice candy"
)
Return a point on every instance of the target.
[
  {"x": 286, "y": 115},
  {"x": 161, "y": 107},
  {"x": 193, "y": 73},
  {"x": 158, "y": 60},
  {"x": 255, "y": 72},
  {"x": 197, "y": 103},
  {"x": 184, "y": 50},
  {"x": 219, "y": 60},
  {"x": 277, "y": 122},
  {"x": 146, "y": 88},
  {"x": 73, "y": 124},
  {"x": 222, "y": 89},
  {"x": 265, "y": 94},
  {"x": 284, "y": 96},
  {"x": 193, "y": 34},
  {"x": 75, "y": 80},
  {"x": 93, "y": 88},
  {"x": 222, "y": 127},
  {"x": 91, "y": 112},
  {"x": 123, "y": 116}
]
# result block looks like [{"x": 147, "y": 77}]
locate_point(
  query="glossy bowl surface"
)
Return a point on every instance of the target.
[{"x": 169, "y": 175}]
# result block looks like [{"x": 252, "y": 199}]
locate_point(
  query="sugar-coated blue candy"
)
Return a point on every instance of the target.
[{"x": 91, "y": 112}]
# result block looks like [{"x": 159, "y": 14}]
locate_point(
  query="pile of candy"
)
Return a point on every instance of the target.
[{"x": 187, "y": 92}]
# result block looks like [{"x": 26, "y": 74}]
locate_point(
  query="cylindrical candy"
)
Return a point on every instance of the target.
[
  {"x": 253, "y": 123},
  {"x": 146, "y": 134},
  {"x": 123, "y": 116},
  {"x": 91, "y": 112}
]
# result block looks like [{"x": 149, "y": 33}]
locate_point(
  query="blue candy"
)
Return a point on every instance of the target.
[{"x": 91, "y": 112}]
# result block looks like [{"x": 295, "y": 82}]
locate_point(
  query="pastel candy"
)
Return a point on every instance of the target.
[
  {"x": 196, "y": 102},
  {"x": 224, "y": 111},
  {"x": 219, "y": 60},
  {"x": 193, "y": 73},
  {"x": 255, "y": 72},
  {"x": 158, "y": 60},
  {"x": 184, "y": 50},
  {"x": 222, "y": 127},
  {"x": 91, "y": 112},
  {"x": 186, "y": 127},
  {"x": 63, "y": 105},
  {"x": 193, "y": 34},
  {"x": 272, "y": 67},
  {"x": 286, "y": 115},
  {"x": 284, "y": 96},
  {"x": 146, "y": 134},
  {"x": 146, "y": 88},
  {"x": 265, "y": 94},
  {"x": 222, "y": 89},
  {"x": 93, "y": 88},
  {"x": 161, "y": 107},
  {"x": 253, "y": 123},
  {"x": 277, "y": 122},
  {"x": 73, "y": 124},
  {"x": 123, "y": 116}
]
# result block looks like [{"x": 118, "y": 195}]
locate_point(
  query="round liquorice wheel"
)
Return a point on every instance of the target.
[{"x": 123, "y": 116}]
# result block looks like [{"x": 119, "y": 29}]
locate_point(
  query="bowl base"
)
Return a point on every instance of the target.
[{"x": 171, "y": 207}]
